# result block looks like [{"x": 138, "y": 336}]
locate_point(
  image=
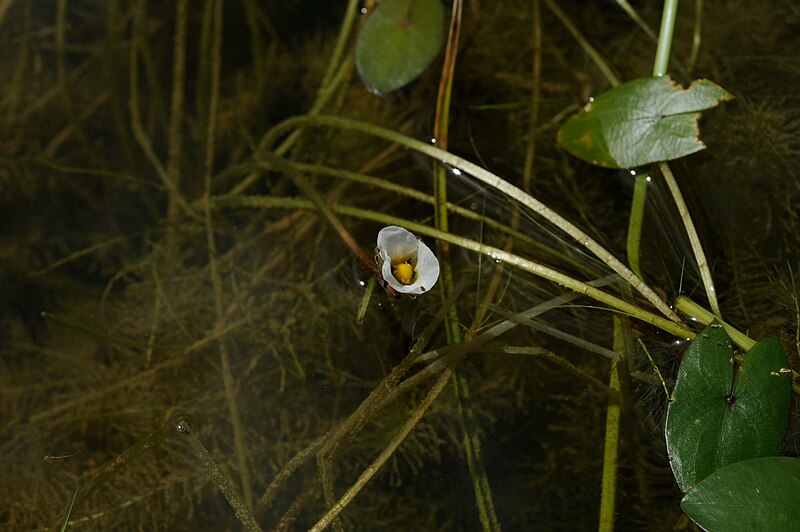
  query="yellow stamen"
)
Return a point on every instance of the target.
[{"x": 404, "y": 273}]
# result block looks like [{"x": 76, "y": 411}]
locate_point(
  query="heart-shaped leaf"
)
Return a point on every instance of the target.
[
  {"x": 718, "y": 417},
  {"x": 398, "y": 41},
  {"x": 640, "y": 122},
  {"x": 760, "y": 494}
]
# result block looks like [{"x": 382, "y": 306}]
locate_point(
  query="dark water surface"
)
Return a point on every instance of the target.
[{"x": 179, "y": 347}]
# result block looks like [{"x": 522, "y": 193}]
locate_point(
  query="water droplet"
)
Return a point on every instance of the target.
[{"x": 183, "y": 426}]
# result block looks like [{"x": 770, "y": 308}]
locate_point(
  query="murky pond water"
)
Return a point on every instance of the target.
[{"x": 186, "y": 342}]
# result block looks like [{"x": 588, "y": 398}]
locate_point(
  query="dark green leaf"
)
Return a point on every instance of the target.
[
  {"x": 398, "y": 41},
  {"x": 640, "y": 122},
  {"x": 708, "y": 427},
  {"x": 760, "y": 494}
]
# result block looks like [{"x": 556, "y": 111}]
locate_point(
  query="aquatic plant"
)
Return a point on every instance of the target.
[
  {"x": 190, "y": 332},
  {"x": 407, "y": 264}
]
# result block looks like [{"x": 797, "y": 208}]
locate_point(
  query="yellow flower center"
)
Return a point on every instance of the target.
[{"x": 404, "y": 273}]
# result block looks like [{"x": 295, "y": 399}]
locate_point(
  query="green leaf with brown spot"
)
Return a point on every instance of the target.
[{"x": 640, "y": 122}]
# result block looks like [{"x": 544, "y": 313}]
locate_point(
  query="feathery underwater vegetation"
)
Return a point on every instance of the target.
[{"x": 197, "y": 330}]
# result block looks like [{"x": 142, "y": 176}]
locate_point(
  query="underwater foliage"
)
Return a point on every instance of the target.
[{"x": 181, "y": 270}]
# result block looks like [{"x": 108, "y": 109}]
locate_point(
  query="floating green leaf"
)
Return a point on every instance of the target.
[
  {"x": 640, "y": 122},
  {"x": 399, "y": 39},
  {"x": 720, "y": 414},
  {"x": 760, "y": 494}
]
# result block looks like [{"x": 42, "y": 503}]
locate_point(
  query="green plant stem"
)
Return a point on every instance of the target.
[
  {"x": 387, "y": 452},
  {"x": 636, "y": 222},
  {"x": 136, "y": 121},
  {"x": 655, "y": 368},
  {"x": 665, "y": 37},
  {"x": 636, "y": 18},
  {"x": 532, "y": 267},
  {"x": 461, "y": 388},
  {"x": 694, "y": 239},
  {"x": 537, "y": 247},
  {"x": 338, "y": 48},
  {"x": 327, "y": 447},
  {"x": 257, "y": 52},
  {"x": 266, "y": 500},
  {"x": 486, "y": 177},
  {"x": 216, "y": 279},
  {"x": 695, "y": 311},
  {"x": 364, "y": 304},
  {"x": 440, "y": 133},
  {"x": 217, "y": 476},
  {"x": 566, "y": 365},
  {"x": 103, "y": 475},
  {"x": 176, "y": 114},
  {"x": 557, "y": 333},
  {"x": 310, "y": 191},
  {"x": 659, "y": 69},
  {"x": 536, "y": 96},
  {"x": 69, "y": 511},
  {"x": 608, "y": 495},
  {"x": 639, "y": 199},
  {"x": 696, "y": 35},
  {"x": 338, "y": 70},
  {"x": 578, "y": 36}
]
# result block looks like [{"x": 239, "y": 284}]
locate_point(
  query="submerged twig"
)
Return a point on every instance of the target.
[
  {"x": 217, "y": 476},
  {"x": 176, "y": 110},
  {"x": 308, "y": 189},
  {"x": 138, "y": 129},
  {"x": 216, "y": 279},
  {"x": 387, "y": 452}
]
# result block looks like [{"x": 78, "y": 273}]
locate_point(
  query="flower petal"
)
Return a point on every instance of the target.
[
  {"x": 427, "y": 270},
  {"x": 397, "y": 245}
]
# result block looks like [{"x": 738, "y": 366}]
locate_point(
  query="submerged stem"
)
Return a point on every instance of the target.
[
  {"x": 608, "y": 494},
  {"x": 487, "y": 177},
  {"x": 665, "y": 37},
  {"x": 694, "y": 239},
  {"x": 228, "y": 379},
  {"x": 692, "y": 309},
  {"x": 387, "y": 452},
  {"x": 469, "y": 433},
  {"x": 540, "y": 270},
  {"x": 217, "y": 475}
]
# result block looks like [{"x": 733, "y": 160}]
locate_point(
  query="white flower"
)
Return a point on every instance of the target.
[{"x": 407, "y": 264}]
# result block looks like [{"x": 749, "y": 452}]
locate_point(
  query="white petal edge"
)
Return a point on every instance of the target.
[{"x": 396, "y": 244}]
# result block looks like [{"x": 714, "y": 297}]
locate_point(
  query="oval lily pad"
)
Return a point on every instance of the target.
[
  {"x": 722, "y": 412},
  {"x": 640, "y": 122},
  {"x": 398, "y": 41},
  {"x": 760, "y": 494}
]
